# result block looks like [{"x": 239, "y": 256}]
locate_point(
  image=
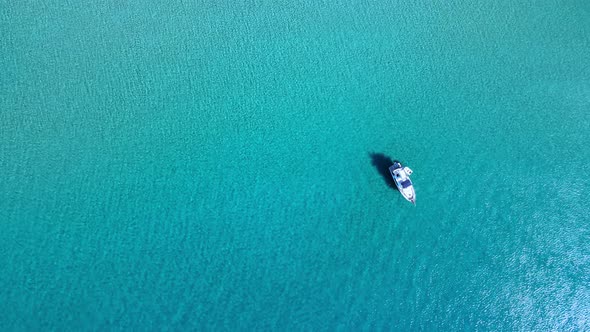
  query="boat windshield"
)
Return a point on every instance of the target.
[{"x": 406, "y": 183}]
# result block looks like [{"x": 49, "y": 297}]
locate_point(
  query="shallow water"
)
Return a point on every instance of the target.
[{"x": 222, "y": 165}]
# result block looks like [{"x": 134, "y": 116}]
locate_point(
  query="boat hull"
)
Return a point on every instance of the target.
[{"x": 403, "y": 182}]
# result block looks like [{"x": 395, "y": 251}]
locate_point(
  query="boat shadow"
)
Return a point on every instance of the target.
[{"x": 382, "y": 163}]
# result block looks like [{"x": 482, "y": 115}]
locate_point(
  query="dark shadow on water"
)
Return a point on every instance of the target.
[{"x": 382, "y": 163}]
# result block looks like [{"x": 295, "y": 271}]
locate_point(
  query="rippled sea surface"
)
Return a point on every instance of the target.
[{"x": 221, "y": 165}]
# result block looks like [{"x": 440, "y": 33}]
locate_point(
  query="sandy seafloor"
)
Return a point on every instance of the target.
[{"x": 219, "y": 165}]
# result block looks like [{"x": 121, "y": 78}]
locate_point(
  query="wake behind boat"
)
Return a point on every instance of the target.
[{"x": 401, "y": 177}]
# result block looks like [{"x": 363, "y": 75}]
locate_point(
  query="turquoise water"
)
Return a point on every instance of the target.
[{"x": 219, "y": 165}]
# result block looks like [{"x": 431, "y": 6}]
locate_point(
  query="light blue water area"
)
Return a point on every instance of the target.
[{"x": 222, "y": 165}]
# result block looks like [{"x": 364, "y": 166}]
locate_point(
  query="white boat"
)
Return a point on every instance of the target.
[{"x": 401, "y": 177}]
